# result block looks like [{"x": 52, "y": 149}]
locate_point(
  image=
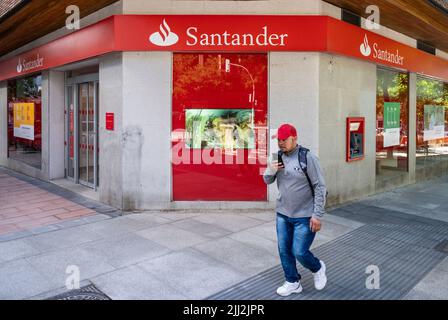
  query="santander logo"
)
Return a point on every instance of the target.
[
  {"x": 19, "y": 67},
  {"x": 365, "y": 47},
  {"x": 25, "y": 65},
  {"x": 379, "y": 53},
  {"x": 164, "y": 37}
]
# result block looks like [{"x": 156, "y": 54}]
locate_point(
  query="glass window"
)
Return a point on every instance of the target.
[
  {"x": 432, "y": 120},
  {"x": 219, "y": 126},
  {"x": 392, "y": 119},
  {"x": 24, "y": 120}
]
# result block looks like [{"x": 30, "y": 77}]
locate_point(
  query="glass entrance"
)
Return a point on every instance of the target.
[
  {"x": 87, "y": 133},
  {"x": 82, "y": 132},
  {"x": 71, "y": 132}
]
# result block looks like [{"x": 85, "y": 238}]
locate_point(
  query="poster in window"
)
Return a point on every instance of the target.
[
  {"x": 391, "y": 124},
  {"x": 434, "y": 122},
  {"x": 23, "y": 114},
  {"x": 220, "y": 128}
]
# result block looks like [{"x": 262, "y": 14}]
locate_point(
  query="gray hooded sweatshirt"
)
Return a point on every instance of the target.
[{"x": 295, "y": 199}]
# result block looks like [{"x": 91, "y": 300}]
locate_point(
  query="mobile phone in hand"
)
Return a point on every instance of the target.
[{"x": 278, "y": 158}]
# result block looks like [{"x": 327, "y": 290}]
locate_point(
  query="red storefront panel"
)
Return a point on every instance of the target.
[
  {"x": 237, "y": 33},
  {"x": 219, "y": 102}
]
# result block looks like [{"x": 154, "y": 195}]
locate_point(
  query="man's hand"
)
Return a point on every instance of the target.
[
  {"x": 315, "y": 224},
  {"x": 275, "y": 165}
]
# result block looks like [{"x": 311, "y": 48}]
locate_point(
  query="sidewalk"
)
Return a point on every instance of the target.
[{"x": 223, "y": 255}]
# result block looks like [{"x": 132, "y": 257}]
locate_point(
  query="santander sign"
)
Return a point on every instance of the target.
[
  {"x": 25, "y": 65},
  {"x": 194, "y": 37},
  {"x": 380, "y": 54}
]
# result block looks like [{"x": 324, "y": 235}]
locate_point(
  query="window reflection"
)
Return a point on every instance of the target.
[
  {"x": 24, "y": 120},
  {"x": 392, "y": 120},
  {"x": 432, "y": 122}
]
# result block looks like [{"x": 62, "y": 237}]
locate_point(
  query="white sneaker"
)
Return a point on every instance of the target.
[
  {"x": 287, "y": 288},
  {"x": 320, "y": 279}
]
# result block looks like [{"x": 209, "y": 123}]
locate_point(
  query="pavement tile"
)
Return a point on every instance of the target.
[
  {"x": 195, "y": 274},
  {"x": 244, "y": 258},
  {"x": 56, "y": 265},
  {"x": 172, "y": 237},
  {"x": 201, "y": 228},
  {"x": 266, "y": 230},
  {"x": 64, "y": 238},
  {"x": 19, "y": 280},
  {"x": 120, "y": 225},
  {"x": 133, "y": 283},
  {"x": 16, "y": 249},
  {"x": 232, "y": 222},
  {"x": 125, "y": 250}
]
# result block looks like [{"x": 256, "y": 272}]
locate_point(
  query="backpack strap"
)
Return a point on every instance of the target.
[{"x": 303, "y": 162}]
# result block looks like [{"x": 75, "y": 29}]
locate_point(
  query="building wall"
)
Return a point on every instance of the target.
[
  {"x": 347, "y": 88},
  {"x": 145, "y": 79},
  {"x": 56, "y": 125},
  {"x": 146, "y": 138},
  {"x": 294, "y": 98},
  {"x": 110, "y": 142}
]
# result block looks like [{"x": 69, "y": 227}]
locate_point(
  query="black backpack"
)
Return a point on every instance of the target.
[{"x": 303, "y": 162}]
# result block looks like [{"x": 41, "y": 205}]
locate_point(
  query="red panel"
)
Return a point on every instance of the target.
[
  {"x": 222, "y": 32},
  {"x": 86, "y": 43},
  {"x": 199, "y": 83},
  {"x": 346, "y": 39},
  {"x": 237, "y": 33}
]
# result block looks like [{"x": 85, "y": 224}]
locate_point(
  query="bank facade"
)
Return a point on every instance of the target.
[{"x": 167, "y": 107}]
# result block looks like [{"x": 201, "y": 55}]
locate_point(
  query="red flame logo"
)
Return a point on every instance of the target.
[{"x": 164, "y": 37}]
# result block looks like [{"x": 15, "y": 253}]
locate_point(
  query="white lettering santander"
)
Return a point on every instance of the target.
[
  {"x": 385, "y": 55},
  {"x": 27, "y": 65},
  {"x": 263, "y": 39}
]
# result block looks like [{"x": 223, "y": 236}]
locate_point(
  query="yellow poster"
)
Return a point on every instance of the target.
[{"x": 24, "y": 120}]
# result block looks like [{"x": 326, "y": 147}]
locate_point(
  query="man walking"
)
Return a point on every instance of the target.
[{"x": 300, "y": 207}]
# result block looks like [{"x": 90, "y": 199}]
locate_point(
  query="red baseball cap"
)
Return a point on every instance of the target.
[{"x": 285, "y": 131}]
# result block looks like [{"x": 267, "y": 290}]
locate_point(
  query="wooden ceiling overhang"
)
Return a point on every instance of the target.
[{"x": 34, "y": 19}]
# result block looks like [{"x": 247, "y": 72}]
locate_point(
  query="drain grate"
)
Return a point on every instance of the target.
[
  {"x": 442, "y": 246},
  {"x": 404, "y": 254},
  {"x": 89, "y": 292}
]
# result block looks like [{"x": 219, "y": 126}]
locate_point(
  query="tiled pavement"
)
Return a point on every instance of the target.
[
  {"x": 29, "y": 206},
  {"x": 193, "y": 255}
]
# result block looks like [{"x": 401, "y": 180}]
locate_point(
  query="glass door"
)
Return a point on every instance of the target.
[
  {"x": 82, "y": 132},
  {"x": 87, "y": 133},
  {"x": 70, "y": 139}
]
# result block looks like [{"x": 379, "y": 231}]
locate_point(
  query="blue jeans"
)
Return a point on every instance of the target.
[{"x": 294, "y": 241}]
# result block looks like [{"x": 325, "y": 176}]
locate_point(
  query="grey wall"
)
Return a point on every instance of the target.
[
  {"x": 146, "y": 139},
  {"x": 110, "y": 142},
  {"x": 294, "y": 99},
  {"x": 347, "y": 88},
  {"x": 56, "y": 127}
]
